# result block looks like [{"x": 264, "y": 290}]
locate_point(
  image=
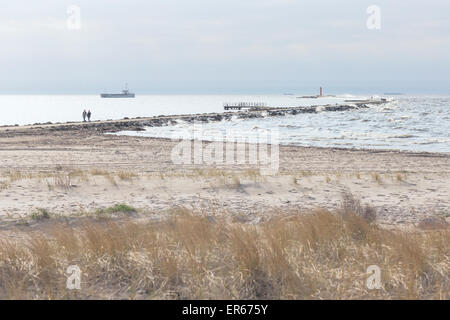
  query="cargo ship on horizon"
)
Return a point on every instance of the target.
[{"x": 125, "y": 94}]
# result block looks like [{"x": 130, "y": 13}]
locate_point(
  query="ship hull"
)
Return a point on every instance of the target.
[{"x": 117, "y": 95}]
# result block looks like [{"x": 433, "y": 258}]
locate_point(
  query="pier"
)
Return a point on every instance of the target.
[
  {"x": 243, "y": 105},
  {"x": 367, "y": 101}
]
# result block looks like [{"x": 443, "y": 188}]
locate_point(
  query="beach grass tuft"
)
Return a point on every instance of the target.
[
  {"x": 40, "y": 214},
  {"x": 123, "y": 208},
  {"x": 377, "y": 177}
]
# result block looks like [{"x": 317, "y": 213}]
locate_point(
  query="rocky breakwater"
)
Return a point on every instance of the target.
[{"x": 139, "y": 124}]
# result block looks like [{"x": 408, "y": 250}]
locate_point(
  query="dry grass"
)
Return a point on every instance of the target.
[
  {"x": 4, "y": 185},
  {"x": 321, "y": 255},
  {"x": 62, "y": 180},
  {"x": 126, "y": 175},
  {"x": 377, "y": 177},
  {"x": 17, "y": 175},
  {"x": 81, "y": 175},
  {"x": 215, "y": 177},
  {"x": 99, "y": 172},
  {"x": 62, "y": 177},
  {"x": 353, "y": 206}
]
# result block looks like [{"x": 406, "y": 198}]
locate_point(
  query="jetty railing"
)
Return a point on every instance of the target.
[{"x": 243, "y": 105}]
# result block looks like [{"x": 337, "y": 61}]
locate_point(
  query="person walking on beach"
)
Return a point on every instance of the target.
[
  {"x": 89, "y": 115},
  {"x": 84, "y": 115}
]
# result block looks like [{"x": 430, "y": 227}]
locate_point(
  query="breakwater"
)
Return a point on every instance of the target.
[{"x": 139, "y": 123}]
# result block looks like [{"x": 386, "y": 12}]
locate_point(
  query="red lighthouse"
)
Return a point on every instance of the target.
[{"x": 321, "y": 91}]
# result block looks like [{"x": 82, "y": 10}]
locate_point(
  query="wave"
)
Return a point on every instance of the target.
[
  {"x": 289, "y": 126},
  {"x": 402, "y": 136}
]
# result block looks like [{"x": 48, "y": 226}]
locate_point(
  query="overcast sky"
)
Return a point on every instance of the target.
[{"x": 223, "y": 46}]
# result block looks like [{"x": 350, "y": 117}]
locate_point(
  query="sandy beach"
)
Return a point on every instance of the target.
[{"x": 80, "y": 170}]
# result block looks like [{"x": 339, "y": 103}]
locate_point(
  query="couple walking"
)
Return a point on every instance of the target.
[{"x": 86, "y": 114}]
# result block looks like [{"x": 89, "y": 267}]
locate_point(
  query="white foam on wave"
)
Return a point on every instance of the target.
[{"x": 402, "y": 136}]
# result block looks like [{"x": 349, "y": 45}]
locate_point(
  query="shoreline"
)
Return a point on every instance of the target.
[
  {"x": 111, "y": 127},
  {"x": 352, "y": 149}
]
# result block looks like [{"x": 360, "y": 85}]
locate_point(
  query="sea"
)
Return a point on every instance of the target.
[{"x": 406, "y": 122}]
